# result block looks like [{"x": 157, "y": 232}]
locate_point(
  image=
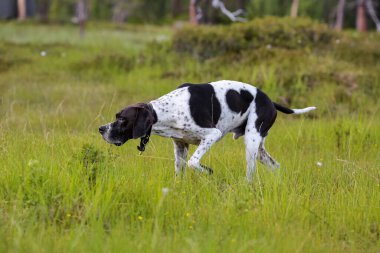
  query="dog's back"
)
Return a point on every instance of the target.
[{"x": 223, "y": 105}]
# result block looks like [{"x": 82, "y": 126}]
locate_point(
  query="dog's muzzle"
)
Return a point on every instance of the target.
[{"x": 104, "y": 131}]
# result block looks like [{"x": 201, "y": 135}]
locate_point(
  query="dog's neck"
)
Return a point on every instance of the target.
[
  {"x": 145, "y": 139},
  {"x": 149, "y": 107}
]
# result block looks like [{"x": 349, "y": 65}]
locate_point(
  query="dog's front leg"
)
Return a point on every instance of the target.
[
  {"x": 181, "y": 150},
  {"x": 212, "y": 135}
]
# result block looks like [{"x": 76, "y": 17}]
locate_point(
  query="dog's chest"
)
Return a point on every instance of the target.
[
  {"x": 187, "y": 136},
  {"x": 174, "y": 119}
]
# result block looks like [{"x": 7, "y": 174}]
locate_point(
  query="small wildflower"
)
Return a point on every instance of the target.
[
  {"x": 31, "y": 163},
  {"x": 319, "y": 164},
  {"x": 43, "y": 53},
  {"x": 188, "y": 214},
  {"x": 140, "y": 217},
  {"x": 165, "y": 191}
]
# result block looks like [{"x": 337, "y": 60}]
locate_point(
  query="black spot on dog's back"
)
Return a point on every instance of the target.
[
  {"x": 184, "y": 85},
  {"x": 204, "y": 106},
  {"x": 266, "y": 113},
  {"x": 238, "y": 102}
]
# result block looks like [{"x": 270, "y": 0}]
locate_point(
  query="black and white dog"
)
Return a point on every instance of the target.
[{"x": 201, "y": 114}]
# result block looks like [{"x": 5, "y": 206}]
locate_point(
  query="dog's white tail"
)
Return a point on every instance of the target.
[
  {"x": 304, "y": 110},
  {"x": 293, "y": 111}
]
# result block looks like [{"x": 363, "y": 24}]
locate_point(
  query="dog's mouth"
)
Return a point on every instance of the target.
[{"x": 110, "y": 141}]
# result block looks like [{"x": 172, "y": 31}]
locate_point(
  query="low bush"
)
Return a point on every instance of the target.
[{"x": 205, "y": 42}]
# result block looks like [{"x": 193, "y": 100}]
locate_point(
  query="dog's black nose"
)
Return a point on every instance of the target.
[{"x": 102, "y": 129}]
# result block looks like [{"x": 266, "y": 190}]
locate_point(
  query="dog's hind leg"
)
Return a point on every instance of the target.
[
  {"x": 212, "y": 136},
  {"x": 265, "y": 158},
  {"x": 252, "y": 142},
  {"x": 260, "y": 120},
  {"x": 181, "y": 150}
]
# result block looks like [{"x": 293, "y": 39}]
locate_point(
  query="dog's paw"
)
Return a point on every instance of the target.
[
  {"x": 237, "y": 135},
  {"x": 207, "y": 169},
  {"x": 200, "y": 167}
]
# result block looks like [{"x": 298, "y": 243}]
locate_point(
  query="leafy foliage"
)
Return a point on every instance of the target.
[
  {"x": 206, "y": 42},
  {"x": 92, "y": 160}
]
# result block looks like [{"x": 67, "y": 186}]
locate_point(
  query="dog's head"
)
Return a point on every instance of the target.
[{"x": 131, "y": 123}]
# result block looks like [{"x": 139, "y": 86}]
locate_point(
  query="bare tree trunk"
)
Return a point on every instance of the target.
[
  {"x": 233, "y": 16},
  {"x": 81, "y": 15},
  {"x": 294, "y": 8},
  {"x": 196, "y": 13},
  {"x": 340, "y": 15},
  {"x": 21, "y": 4},
  {"x": 193, "y": 12},
  {"x": 361, "y": 23},
  {"x": 372, "y": 13}
]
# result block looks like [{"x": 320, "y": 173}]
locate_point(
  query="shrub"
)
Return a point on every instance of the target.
[
  {"x": 205, "y": 42},
  {"x": 92, "y": 160}
]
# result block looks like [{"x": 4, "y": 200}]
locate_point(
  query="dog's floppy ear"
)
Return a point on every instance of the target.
[{"x": 144, "y": 120}]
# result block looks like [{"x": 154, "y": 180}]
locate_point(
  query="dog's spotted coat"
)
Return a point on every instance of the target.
[{"x": 201, "y": 114}]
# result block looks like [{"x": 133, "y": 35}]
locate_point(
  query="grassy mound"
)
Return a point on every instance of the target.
[{"x": 208, "y": 41}]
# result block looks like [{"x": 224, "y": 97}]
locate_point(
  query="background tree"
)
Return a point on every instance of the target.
[
  {"x": 212, "y": 11},
  {"x": 340, "y": 15},
  {"x": 361, "y": 23},
  {"x": 81, "y": 15},
  {"x": 193, "y": 11},
  {"x": 337, "y": 13},
  {"x": 233, "y": 16},
  {"x": 372, "y": 13},
  {"x": 21, "y": 6},
  {"x": 294, "y": 8}
]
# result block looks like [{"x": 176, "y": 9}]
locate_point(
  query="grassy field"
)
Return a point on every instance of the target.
[{"x": 63, "y": 189}]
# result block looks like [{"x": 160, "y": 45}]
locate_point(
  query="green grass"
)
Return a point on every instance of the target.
[{"x": 63, "y": 189}]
